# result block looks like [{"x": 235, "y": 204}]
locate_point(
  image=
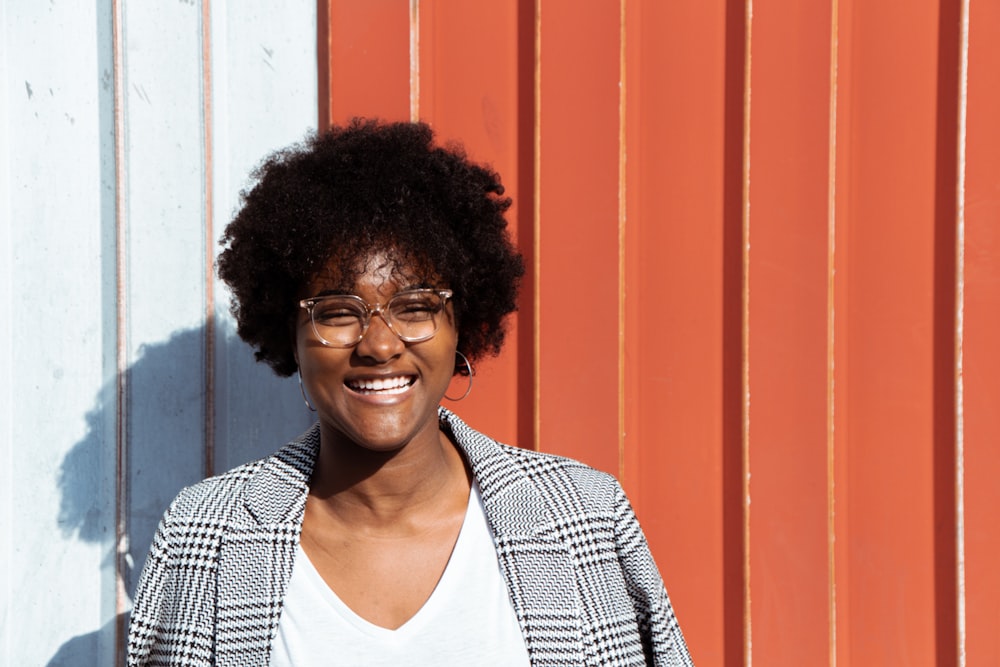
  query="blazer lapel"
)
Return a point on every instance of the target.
[
  {"x": 256, "y": 556},
  {"x": 535, "y": 563}
]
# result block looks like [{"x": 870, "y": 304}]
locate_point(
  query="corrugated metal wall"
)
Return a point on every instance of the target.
[
  {"x": 765, "y": 290},
  {"x": 128, "y": 129}
]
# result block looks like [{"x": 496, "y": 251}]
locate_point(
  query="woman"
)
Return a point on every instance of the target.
[{"x": 377, "y": 266}]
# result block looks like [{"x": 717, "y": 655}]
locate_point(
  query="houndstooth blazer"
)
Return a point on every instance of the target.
[{"x": 580, "y": 575}]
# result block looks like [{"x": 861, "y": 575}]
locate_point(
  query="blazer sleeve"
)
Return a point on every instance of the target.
[
  {"x": 147, "y": 609},
  {"x": 661, "y": 634}
]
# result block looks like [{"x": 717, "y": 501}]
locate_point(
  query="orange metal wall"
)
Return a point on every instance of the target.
[{"x": 763, "y": 242}]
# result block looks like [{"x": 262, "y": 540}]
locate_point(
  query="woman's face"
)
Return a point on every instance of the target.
[{"x": 382, "y": 393}]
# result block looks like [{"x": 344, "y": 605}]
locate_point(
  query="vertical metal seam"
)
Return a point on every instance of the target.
[
  {"x": 747, "y": 71},
  {"x": 963, "y": 79},
  {"x": 831, "y": 221},
  {"x": 121, "y": 332},
  {"x": 324, "y": 83},
  {"x": 208, "y": 203},
  {"x": 414, "y": 60},
  {"x": 537, "y": 204},
  {"x": 622, "y": 222}
]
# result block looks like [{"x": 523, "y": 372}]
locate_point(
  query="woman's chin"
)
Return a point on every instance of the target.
[{"x": 386, "y": 435}]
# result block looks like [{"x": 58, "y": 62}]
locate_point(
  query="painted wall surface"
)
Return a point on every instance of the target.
[
  {"x": 127, "y": 131},
  {"x": 764, "y": 290}
]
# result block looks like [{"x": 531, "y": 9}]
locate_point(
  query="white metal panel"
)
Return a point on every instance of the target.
[
  {"x": 61, "y": 492},
  {"x": 164, "y": 296},
  {"x": 265, "y": 97},
  {"x": 58, "y": 199},
  {"x": 6, "y": 353}
]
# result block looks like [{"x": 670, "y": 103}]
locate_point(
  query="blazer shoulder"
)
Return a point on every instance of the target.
[
  {"x": 213, "y": 496},
  {"x": 560, "y": 474},
  {"x": 219, "y": 495}
]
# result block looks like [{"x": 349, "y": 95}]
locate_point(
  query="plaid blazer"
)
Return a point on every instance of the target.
[{"x": 581, "y": 578}]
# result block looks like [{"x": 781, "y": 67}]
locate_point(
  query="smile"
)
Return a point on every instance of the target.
[{"x": 390, "y": 385}]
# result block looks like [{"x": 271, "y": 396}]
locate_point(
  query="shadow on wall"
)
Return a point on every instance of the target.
[
  {"x": 83, "y": 651},
  {"x": 255, "y": 412}
]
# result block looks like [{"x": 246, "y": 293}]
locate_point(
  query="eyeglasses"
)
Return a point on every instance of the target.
[{"x": 341, "y": 320}]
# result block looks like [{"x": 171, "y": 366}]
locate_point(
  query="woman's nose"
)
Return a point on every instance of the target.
[{"x": 380, "y": 342}]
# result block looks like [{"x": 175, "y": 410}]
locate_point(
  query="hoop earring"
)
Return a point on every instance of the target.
[
  {"x": 470, "y": 373},
  {"x": 305, "y": 398}
]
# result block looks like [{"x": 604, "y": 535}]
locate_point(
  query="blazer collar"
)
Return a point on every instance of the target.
[
  {"x": 535, "y": 562},
  {"x": 511, "y": 499},
  {"x": 276, "y": 492}
]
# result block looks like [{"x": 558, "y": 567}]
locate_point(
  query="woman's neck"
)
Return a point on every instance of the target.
[{"x": 358, "y": 486}]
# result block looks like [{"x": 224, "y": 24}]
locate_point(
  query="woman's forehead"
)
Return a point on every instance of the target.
[{"x": 377, "y": 269}]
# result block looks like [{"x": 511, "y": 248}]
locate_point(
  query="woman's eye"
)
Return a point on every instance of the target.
[
  {"x": 419, "y": 310},
  {"x": 336, "y": 317}
]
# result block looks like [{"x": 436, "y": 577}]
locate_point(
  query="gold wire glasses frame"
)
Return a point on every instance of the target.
[{"x": 341, "y": 320}]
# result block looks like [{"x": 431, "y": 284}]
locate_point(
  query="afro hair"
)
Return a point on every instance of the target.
[{"x": 355, "y": 190}]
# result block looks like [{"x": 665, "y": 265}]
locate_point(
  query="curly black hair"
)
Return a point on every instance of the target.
[{"x": 367, "y": 187}]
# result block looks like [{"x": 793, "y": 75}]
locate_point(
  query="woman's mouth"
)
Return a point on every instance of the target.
[{"x": 383, "y": 386}]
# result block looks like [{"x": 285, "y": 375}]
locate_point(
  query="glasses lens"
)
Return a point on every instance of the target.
[
  {"x": 414, "y": 315},
  {"x": 338, "y": 321}
]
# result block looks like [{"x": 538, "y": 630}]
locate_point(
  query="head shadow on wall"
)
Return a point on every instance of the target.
[{"x": 168, "y": 421}]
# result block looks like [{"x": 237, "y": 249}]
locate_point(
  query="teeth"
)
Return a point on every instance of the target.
[{"x": 393, "y": 384}]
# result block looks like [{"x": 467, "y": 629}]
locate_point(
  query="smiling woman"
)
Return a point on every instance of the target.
[
  {"x": 377, "y": 265},
  {"x": 375, "y": 389}
]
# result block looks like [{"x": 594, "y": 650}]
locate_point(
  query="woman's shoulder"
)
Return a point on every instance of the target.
[
  {"x": 214, "y": 493},
  {"x": 563, "y": 473},
  {"x": 544, "y": 463},
  {"x": 220, "y": 495},
  {"x": 549, "y": 472}
]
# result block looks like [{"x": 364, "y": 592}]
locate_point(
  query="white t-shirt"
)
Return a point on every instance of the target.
[{"x": 467, "y": 620}]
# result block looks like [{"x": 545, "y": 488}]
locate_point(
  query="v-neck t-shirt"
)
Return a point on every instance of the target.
[{"x": 467, "y": 620}]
